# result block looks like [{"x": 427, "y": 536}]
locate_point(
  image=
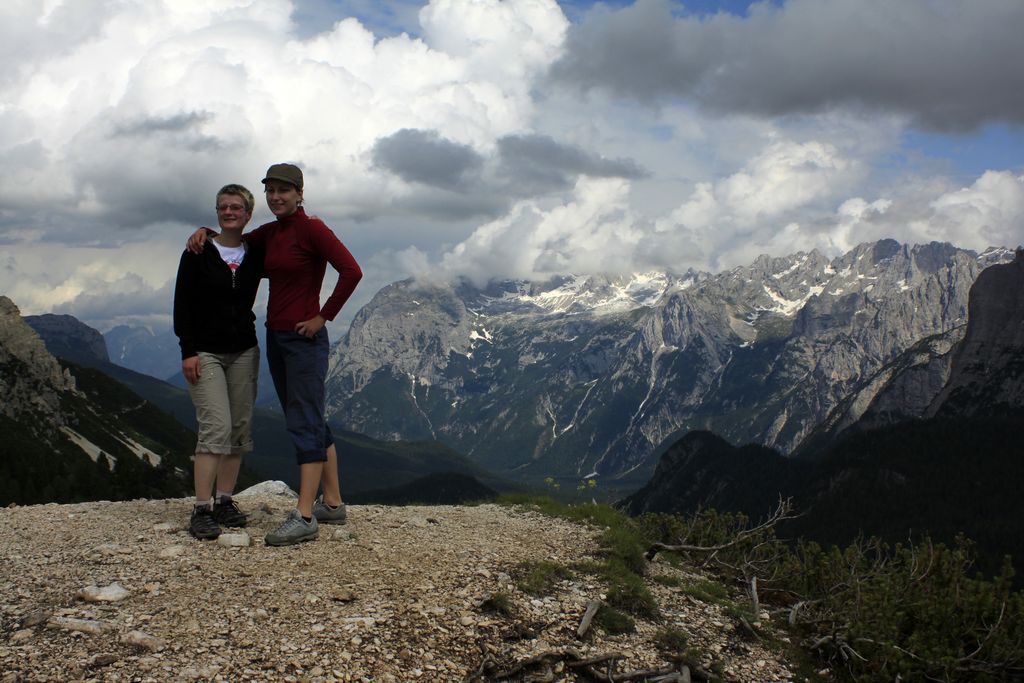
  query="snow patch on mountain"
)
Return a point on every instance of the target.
[
  {"x": 789, "y": 307},
  {"x": 576, "y": 294}
]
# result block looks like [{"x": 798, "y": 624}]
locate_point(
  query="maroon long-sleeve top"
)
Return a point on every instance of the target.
[{"x": 298, "y": 249}]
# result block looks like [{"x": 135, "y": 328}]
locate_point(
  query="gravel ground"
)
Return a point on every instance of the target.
[{"x": 120, "y": 592}]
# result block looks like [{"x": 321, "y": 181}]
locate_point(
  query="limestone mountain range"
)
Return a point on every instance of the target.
[{"x": 579, "y": 376}]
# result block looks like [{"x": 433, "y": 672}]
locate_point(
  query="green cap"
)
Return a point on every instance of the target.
[{"x": 288, "y": 173}]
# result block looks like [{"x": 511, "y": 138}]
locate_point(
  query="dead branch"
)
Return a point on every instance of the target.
[
  {"x": 588, "y": 617},
  {"x": 590, "y": 667},
  {"x": 783, "y": 511}
]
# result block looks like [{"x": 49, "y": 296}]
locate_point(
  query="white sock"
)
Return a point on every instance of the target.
[{"x": 221, "y": 495}]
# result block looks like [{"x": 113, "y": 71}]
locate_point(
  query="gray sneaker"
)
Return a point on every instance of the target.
[
  {"x": 293, "y": 530},
  {"x": 325, "y": 514}
]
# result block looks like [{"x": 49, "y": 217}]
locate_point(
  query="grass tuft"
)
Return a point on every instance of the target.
[
  {"x": 539, "y": 577},
  {"x": 710, "y": 592}
]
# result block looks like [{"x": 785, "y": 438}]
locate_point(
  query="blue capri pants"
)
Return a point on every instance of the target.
[{"x": 298, "y": 366}]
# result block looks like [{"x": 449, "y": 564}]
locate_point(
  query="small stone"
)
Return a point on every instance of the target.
[
  {"x": 467, "y": 621},
  {"x": 166, "y": 527},
  {"x": 36, "y": 617},
  {"x": 343, "y": 595},
  {"x": 106, "y": 549},
  {"x": 342, "y": 535},
  {"x": 143, "y": 640},
  {"x": 21, "y": 636},
  {"x": 235, "y": 540},
  {"x": 102, "y": 659},
  {"x": 173, "y": 551},
  {"x": 115, "y": 592}
]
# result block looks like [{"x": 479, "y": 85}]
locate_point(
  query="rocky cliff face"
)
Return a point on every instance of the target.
[
  {"x": 67, "y": 337},
  {"x": 987, "y": 367},
  {"x": 31, "y": 379},
  {"x": 78, "y": 436},
  {"x": 582, "y": 375},
  {"x": 973, "y": 369}
]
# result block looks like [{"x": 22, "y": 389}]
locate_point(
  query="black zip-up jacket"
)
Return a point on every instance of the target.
[{"x": 212, "y": 305}]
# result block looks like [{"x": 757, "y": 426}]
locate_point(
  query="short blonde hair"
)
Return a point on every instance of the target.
[{"x": 239, "y": 191}]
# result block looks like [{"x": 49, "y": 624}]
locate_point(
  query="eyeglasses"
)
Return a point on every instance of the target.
[{"x": 230, "y": 207}]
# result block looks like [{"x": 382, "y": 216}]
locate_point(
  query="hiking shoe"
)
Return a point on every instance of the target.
[
  {"x": 226, "y": 512},
  {"x": 293, "y": 530},
  {"x": 202, "y": 525},
  {"x": 325, "y": 514}
]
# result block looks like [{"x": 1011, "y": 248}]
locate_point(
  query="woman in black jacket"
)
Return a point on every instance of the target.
[{"x": 213, "y": 299}]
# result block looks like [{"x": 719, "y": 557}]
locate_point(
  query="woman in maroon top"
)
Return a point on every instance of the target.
[{"x": 298, "y": 249}]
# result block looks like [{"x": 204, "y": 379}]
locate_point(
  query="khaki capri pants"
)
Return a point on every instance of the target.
[{"x": 223, "y": 398}]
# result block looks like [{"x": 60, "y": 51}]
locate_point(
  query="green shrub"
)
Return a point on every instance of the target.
[
  {"x": 672, "y": 641},
  {"x": 870, "y": 611},
  {"x": 627, "y": 591},
  {"x": 613, "y": 621}
]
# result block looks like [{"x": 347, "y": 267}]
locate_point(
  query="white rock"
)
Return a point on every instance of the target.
[
  {"x": 167, "y": 527},
  {"x": 235, "y": 540},
  {"x": 90, "y": 626},
  {"x": 277, "y": 488},
  {"x": 342, "y": 535},
  {"x": 112, "y": 593},
  {"x": 142, "y": 639},
  {"x": 173, "y": 551}
]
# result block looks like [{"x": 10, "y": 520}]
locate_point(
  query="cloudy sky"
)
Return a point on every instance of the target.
[{"x": 500, "y": 138}]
